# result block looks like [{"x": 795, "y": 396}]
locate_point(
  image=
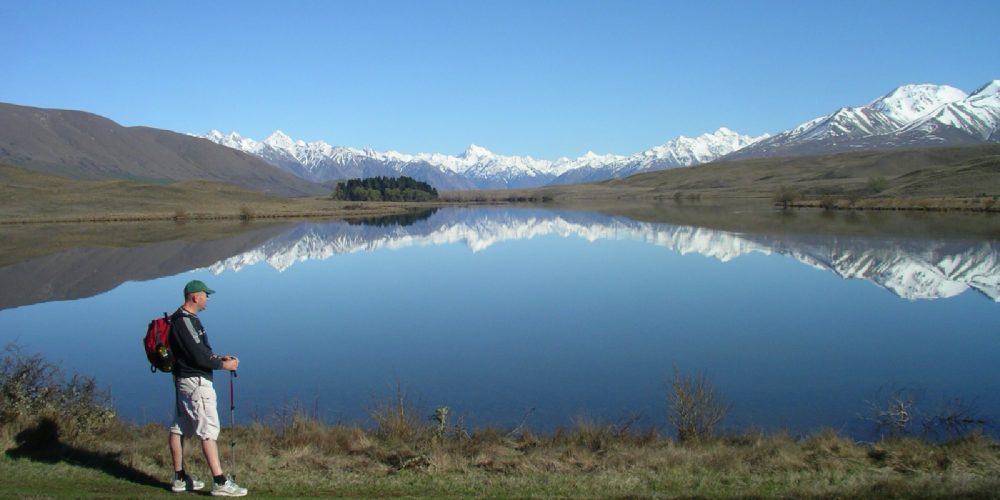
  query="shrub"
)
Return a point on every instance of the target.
[
  {"x": 786, "y": 196},
  {"x": 828, "y": 202},
  {"x": 877, "y": 184},
  {"x": 955, "y": 419},
  {"x": 247, "y": 214},
  {"x": 396, "y": 419},
  {"x": 894, "y": 411},
  {"x": 853, "y": 197},
  {"x": 694, "y": 409},
  {"x": 33, "y": 388}
]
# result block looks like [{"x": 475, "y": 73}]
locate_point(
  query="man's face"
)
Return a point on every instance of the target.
[{"x": 201, "y": 299}]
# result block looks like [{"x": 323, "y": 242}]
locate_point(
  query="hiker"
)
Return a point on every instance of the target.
[{"x": 196, "y": 411}]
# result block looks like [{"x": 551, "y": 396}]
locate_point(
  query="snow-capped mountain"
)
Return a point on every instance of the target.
[
  {"x": 909, "y": 116},
  {"x": 313, "y": 160},
  {"x": 917, "y": 269},
  {"x": 910, "y": 103},
  {"x": 477, "y": 167},
  {"x": 679, "y": 152},
  {"x": 973, "y": 119}
]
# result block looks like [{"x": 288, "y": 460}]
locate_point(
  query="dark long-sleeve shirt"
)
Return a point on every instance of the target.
[{"x": 193, "y": 356}]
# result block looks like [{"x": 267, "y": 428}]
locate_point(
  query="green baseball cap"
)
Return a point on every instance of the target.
[{"x": 195, "y": 286}]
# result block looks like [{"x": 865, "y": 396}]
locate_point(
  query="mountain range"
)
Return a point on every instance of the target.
[
  {"x": 911, "y": 116},
  {"x": 477, "y": 167},
  {"x": 83, "y": 145}
]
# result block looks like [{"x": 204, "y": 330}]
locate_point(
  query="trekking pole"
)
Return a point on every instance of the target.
[{"x": 232, "y": 423}]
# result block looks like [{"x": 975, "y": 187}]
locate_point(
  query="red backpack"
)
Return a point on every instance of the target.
[{"x": 157, "y": 344}]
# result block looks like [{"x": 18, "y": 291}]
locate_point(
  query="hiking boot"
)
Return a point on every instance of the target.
[
  {"x": 187, "y": 484},
  {"x": 229, "y": 489}
]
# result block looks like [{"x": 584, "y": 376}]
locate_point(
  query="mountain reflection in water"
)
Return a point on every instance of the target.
[{"x": 908, "y": 267}]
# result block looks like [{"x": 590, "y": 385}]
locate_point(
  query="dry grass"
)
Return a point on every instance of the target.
[
  {"x": 972, "y": 204},
  {"x": 308, "y": 453},
  {"x": 31, "y": 197},
  {"x": 306, "y": 457},
  {"x": 897, "y": 178}
]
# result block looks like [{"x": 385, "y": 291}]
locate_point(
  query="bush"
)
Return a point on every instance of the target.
[
  {"x": 893, "y": 411},
  {"x": 828, "y": 202},
  {"x": 786, "y": 196},
  {"x": 33, "y": 388},
  {"x": 877, "y": 184},
  {"x": 955, "y": 419},
  {"x": 247, "y": 214},
  {"x": 396, "y": 419},
  {"x": 853, "y": 197},
  {"x": 693, "y": 407}
]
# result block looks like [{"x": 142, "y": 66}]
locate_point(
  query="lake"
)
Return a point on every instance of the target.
[{"x": 546, "y": 316}]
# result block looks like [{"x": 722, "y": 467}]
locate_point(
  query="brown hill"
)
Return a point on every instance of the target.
[{"x": 82, "y": 145}]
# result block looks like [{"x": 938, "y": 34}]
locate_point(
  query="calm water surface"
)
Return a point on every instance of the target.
[{"x": 495, "y": 312}]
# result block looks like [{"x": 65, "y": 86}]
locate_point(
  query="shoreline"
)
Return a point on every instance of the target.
[
  {"x": 369, "y": 209},
  {"x": 356, "y": 210},
  {"x": 970, "y": 205}
]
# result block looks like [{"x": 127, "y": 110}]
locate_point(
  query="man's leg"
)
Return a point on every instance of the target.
[
  {"x": 176, "y": 444},
  {"x": 182, "y": 480},
  {"x": 212, "y": 456}
]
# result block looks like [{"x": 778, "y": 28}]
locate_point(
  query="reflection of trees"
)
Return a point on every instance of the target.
[
  {"x": 407, "y": 219},
  {"x": 899, "y": 412}
]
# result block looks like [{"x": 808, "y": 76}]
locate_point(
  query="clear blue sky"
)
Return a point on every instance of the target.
[{"x": 541, "y": 78}]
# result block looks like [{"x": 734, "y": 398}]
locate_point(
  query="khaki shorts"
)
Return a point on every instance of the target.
[{"x": 196, "y": 409}]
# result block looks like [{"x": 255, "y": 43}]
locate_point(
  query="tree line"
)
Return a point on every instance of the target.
[{"x": 384, "y": 189}]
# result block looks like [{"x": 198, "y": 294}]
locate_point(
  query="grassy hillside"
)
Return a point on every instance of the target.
[
  {"x": 870, "y": 178},
  {"x": 28, "y": 196}
]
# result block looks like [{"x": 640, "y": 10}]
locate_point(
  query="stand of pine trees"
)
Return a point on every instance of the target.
[{"x": 384, "y": 189}]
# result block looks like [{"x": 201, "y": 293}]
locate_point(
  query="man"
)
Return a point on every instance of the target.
[{"x": 196, "y": 411}]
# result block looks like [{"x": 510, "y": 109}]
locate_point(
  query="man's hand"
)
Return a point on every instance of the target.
[{"x": 230, "y": 363}]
